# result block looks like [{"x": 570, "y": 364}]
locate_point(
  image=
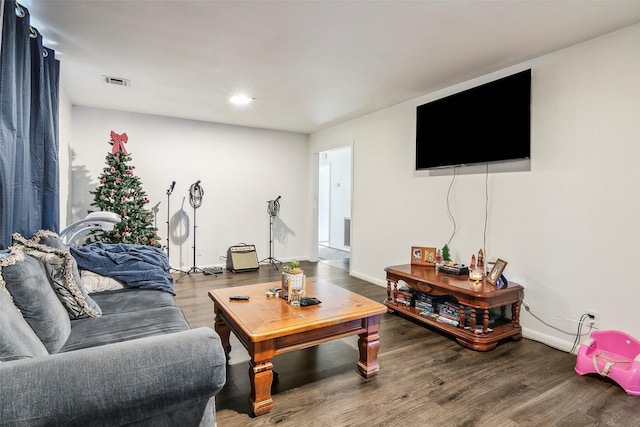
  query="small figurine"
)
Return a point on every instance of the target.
[
  {"x": 472, "y": 266},
  {"x": 480, "y": 259},
  {"x": 439, "y": 257},
  {"x": 446, "y": 254}
]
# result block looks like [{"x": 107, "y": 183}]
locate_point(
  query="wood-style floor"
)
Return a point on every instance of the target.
[{"x": 425, "y": 378}]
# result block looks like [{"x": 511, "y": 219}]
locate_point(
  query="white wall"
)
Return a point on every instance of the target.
[
  {"x": 568, "y": 228},
  {"x": 64, "y": 157},
  {"x": 240, "y": 169}
]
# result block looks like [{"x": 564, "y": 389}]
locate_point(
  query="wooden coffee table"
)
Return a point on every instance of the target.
[{"x": 268, "y": 326}]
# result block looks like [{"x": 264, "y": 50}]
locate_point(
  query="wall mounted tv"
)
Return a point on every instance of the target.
[{"x": 490, "y": 123}]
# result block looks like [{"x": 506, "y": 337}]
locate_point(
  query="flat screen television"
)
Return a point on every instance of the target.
[{"x": 489, "y": 123}]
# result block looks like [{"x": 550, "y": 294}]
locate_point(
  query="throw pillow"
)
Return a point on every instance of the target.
[
  {"x": 94, "y": 282},
  {"x": 49, "y": 238},
  {"x": 26, "y": 279},
  {"x": 17, "y": 339},
  {"x": 66, "y": 282},
  {"x": 53, "y": 240}
]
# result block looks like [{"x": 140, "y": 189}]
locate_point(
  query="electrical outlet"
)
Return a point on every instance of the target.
[
  {"x": 199, "y": 252},
  {"x": 595, "y": 319}
]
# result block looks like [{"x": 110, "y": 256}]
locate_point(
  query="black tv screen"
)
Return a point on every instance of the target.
[{"x": 486, "y": 124}]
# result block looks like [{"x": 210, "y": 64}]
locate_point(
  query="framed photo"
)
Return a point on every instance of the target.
[
  {"x": 423, "y": 256},
  {"x": 496, "y": 271}
]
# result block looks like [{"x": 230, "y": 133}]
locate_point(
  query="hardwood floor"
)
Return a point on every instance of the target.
[{"x": 425, "y": 378}]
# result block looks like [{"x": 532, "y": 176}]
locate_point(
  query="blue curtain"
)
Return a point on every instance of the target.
[{"x": 29, "y": 80}]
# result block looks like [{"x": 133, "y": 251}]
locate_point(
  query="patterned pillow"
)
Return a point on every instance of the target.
[
  {"x": 66, "y": 282},
  {"x": 53, "y": 240},
  {"x": 49, "y": 238},
  {"x": 25, "y": 278}
]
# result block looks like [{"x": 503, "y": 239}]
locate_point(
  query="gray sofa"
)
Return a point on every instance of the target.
[{"x": 119, "y": 357}]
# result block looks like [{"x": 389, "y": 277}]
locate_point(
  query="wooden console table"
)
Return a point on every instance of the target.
[{"x": 482, "y": 296}]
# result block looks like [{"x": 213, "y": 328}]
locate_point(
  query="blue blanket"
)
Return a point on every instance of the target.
[{"x": 137, "y": 266}]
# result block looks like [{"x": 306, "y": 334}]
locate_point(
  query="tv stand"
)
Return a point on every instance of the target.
[{"x": 477, "y": 333}]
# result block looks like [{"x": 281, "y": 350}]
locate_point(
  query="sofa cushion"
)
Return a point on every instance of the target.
[
  {"x": 63, "y": 275},
  {"x": 113, "y": 328},
  {"x": 17, "y": 339},
  {"x": 127, "y": 300},
  {"x": 27, "y": 281}
]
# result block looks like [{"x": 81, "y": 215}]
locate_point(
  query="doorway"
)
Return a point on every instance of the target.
[{"x": 334, "y": 207}]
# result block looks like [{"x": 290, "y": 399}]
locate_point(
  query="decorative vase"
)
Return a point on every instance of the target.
[{"x": 294, "y": 284}]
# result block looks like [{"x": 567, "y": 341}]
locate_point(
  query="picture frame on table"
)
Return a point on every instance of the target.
[
  {"x": 496, "y": 271},
  {"x": 421, "y": 255}
]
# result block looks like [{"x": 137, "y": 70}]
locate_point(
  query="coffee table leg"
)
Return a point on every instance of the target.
[
  {"x": 368, "y": 344},
  {"x": 224, "y": 331},
  {"x": 261, "y": 376}
]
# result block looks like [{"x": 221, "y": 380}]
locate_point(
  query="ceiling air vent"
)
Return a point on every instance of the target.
[{"x": 117, "y": 81}]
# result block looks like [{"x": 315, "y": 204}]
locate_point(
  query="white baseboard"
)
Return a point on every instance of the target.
[
  {"x": 369, "y": 279},
  {"x": 554, "y": 342}
]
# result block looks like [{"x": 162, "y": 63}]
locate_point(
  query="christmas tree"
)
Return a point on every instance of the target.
[
  {"x": 120, "y": 191},
  {"x": 446, "y": 255}
]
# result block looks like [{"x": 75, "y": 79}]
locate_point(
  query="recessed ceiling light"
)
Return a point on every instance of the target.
[{"x": 240, "y": 99}]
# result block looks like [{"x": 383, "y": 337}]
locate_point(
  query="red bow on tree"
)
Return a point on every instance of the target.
[{"x": 118, "y": 142}]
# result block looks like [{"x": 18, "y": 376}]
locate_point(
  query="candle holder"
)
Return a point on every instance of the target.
[{"x": 476, "y": 275}]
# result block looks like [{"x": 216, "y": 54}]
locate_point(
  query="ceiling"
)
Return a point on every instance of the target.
[{"x": 308, "y": 64}]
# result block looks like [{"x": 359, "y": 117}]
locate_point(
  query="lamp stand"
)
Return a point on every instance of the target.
[
  {"x": 271, "y": 260},
  {"x": 193, "y": 269}
]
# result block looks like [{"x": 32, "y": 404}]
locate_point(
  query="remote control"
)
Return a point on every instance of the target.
[{"x": 239, "y": 297}]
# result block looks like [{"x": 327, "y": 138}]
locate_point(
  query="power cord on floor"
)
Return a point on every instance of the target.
[{"x": 585, "y": 320}]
